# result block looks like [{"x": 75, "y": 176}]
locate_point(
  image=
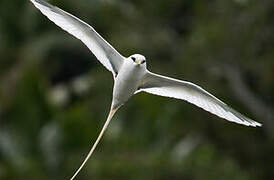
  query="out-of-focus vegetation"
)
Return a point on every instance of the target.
[{"x": 54, "y": 94}]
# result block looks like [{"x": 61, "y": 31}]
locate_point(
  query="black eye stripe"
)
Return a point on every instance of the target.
[{"x": 133, "y": 58}]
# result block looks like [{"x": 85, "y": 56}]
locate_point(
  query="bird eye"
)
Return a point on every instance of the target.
[{"x": 133, "y": 58}]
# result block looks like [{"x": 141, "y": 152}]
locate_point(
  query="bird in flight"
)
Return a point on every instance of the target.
[{"x": 131, "y": 75}]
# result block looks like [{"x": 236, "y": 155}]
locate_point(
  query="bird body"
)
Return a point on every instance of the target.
[
  {"x": 128, "y": 80},
  {"x": 131, "y": 75}
]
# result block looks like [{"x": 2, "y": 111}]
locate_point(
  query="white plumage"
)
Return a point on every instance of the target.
[
  {"x": 169, "y": 87},
  {"x": 131, "y": 75},
  {"x": 103, "y": 51}
]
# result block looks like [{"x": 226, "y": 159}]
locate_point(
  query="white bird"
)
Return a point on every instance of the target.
[{"x": 131, "y": 75}]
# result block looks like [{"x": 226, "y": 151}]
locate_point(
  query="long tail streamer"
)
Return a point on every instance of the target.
[{"x": 110, "y": 115}]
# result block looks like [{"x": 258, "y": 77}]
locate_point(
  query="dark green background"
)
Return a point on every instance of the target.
[{"x": 55, "y": 95}]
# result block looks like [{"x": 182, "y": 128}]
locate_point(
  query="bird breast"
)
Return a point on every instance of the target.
[{"x": 126, "y": 83}]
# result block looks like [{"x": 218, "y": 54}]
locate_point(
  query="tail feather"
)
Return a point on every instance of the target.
[{"x": 110, "y": 115}]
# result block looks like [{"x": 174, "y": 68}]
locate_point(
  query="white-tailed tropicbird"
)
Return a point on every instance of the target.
[{"x": 131, "y": 75}]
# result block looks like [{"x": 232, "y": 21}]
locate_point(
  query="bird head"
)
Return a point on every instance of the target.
[{"x": 138, "y": 59}]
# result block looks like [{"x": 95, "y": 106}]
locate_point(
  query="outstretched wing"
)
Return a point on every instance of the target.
[
  {"x": 103, "y": 51},
  {"x": 169, "y": 87}
]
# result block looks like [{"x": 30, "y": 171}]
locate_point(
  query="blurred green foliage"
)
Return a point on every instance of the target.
[{"x": 55, "y": 95}]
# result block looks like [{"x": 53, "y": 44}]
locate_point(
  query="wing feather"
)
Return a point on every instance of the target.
[
  {"x": 103, "y": 51},
  {"x": 169, "y": 87}
]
